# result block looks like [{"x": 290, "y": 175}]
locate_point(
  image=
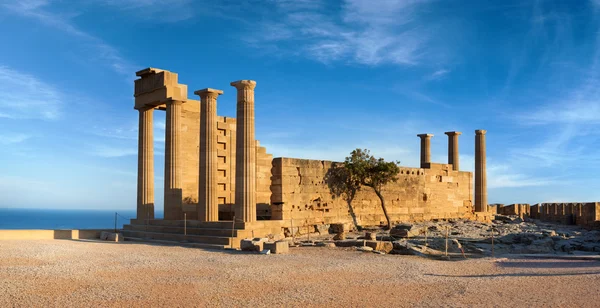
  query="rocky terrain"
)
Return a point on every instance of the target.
[{"x": 505, "y": 235}]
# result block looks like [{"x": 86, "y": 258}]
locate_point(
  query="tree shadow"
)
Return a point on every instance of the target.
[{"x": 340, "y": 186}]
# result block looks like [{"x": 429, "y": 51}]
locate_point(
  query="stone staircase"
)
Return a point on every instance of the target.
[
  {"x": 210, "y": 235},
  {"x": 200, "y": 234}
]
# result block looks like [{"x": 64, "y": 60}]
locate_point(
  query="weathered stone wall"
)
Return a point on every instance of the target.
[
  {"x": 582, "y": 214},
  {"x": 299, "y": 193},
  {"x": 521, "y": 210},
  {"x": 190, "y": 142}
]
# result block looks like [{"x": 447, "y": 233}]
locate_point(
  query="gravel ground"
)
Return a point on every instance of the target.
[{"x": 65, "y": 273}]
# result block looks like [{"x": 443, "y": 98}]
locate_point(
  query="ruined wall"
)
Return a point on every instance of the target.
[
  {"x": 300, "y": 193},
  {"x": 521, "y": 210},
  {"x": 582, "y": 214},
  {"x": 190, "y": 144}
]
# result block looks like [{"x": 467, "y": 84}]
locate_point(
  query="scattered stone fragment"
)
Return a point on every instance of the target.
[{"x": 279, "y": 247}]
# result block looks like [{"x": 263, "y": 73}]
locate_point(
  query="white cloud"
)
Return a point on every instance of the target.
[
  {"x": 361, "y": 32},
  {"x": 111, "y": 152},
  {"x": 23, "y": 96},
  {"x": 439, "y": 74},
  {"x": 157, "y": 10},
  {"x": 105, "y": 53},
  {"x": 13, "y": 138}
]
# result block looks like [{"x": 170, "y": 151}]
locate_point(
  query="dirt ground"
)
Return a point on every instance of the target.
[{"x": 65, "y": 273}]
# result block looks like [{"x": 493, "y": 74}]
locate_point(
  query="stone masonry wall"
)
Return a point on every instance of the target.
[
  {"x": 299, "y": 193},
  {"x": 582, "y": 214},
  {"x": 190, "y": 142}
]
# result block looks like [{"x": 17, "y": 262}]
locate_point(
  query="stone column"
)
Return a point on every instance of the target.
[
  {"x": 425, "y": 149},
  {"x": 145, "y": 189},
  {"x": 173, "y": 189},
  {"x": 245, "y": 160},
  {"x": 453, "y": 149},
  {"x": 208, "y": 206},
  {"x": 480, "y": 172}
]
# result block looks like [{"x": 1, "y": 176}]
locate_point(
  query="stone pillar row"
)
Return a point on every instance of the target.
[{"x": 453, "y": 159}]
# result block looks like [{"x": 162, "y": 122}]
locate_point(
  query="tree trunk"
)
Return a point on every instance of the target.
[
  {"x": 351, "y": 210},
  {"x": 387, "y": 217}
]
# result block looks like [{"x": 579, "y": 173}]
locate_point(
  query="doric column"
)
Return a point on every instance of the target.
[
  {"x": 480, "y": 172},
  {"x": 425, "y": 149},
  {"x": 245, "y": 160},
  {"x": 453, "y": 149},
  {"x": 145, "y": 189},
  {"x": 173, "y": 188},
  {"x": 208, "y": 206}
]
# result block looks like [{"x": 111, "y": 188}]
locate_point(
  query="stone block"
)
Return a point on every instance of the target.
[
  {"x": 279, "y": 247},
  {"x": 111, "y": 236},
  {"x": 251, "y": 245}
]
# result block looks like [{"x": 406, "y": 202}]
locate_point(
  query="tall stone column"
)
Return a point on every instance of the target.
[
  {"x": 453, "y": 149},
  {"x": 425, "y": 149},
  {"x": 245, "y": 160},
  {"x": 145, "y": 189},
  {"x": 480, "y": 172},
  {"x": 173, "y": 189},
  {"x": 208, "y": 206}
]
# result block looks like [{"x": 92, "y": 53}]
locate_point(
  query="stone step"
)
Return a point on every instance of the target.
[
  {"x": 217, "y": 240},
  {"x": 174, "y": 243},
  {"x": 190, "y": 223},
  {"x": 180, "y": 230}
]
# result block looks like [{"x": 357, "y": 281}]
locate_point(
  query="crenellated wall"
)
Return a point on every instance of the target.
[
  {"x": 300, "y": 193},
  {"x": 578, "y": 213}
]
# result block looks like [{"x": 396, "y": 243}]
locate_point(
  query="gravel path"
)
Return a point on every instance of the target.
[{"x": 76, "y": 273}]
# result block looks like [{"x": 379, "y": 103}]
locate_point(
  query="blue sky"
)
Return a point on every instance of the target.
[{"x": 331, "y": 77}]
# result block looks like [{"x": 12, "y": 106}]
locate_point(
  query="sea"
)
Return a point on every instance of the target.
[{"x": 53, "y": 219}]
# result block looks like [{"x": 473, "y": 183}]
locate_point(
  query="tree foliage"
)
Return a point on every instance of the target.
[{"x": 363, "y": 169}]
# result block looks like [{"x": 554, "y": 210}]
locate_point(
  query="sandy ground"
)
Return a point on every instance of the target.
[{"x": 65, "y": 273}]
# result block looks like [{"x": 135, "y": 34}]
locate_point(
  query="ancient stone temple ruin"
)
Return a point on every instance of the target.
[{"x": 221, "y": 185}]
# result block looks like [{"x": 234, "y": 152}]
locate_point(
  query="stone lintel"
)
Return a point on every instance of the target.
[
  {"x": 480, "y": 132},
  {"x": 242, "y": 84},
  {"x": 148, "y": 71},
  {"x": 425, "y": 135},
  {"x": 453, "y": 133}
]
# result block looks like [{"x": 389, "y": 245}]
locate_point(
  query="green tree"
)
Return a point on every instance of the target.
[
  {"x": 342, "y": 185},
  {"x": 363, "y": 169}
]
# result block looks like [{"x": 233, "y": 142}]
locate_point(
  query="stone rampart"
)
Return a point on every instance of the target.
[
  {"x": 300, "y": 193},
  {"x": 586, "y": 214}
]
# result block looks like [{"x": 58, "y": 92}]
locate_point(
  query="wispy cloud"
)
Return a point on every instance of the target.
[
  {"x": 111, "y": 152},
  {"x": 359, "y": 32},
  {"x": 38, "y": 10},
  {"x": 439, "y": 74},
  {"x": 157, "y": 10},
  {"x": 13, "y": 138},
  {"x": 23, "y": 96}
]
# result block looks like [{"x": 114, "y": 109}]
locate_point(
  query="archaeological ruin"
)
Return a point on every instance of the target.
[{"x": 221, "y": 186}]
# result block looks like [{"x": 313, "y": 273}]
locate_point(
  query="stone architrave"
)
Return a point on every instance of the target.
[
  {"x": 480, "y": 172},
  {"x": 173, "y": 172},
  {"x": 245, "y": 167},
  {"x": 425, "y": 149},
  {"x": 145, "y": 189},
  {"x": 453, "y": 154},
  {"x": 208, "y": 206}
]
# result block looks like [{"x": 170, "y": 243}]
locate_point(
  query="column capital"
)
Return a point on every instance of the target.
[
  {"x": 208, "y": 92},
  {"x": 453, "y": 133},
  {"x": 480, "y": 132},
  {"x": 174, "y": 102},
  {"x": 244, "y": 84},
  {"x": 425, "y": 136}
]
